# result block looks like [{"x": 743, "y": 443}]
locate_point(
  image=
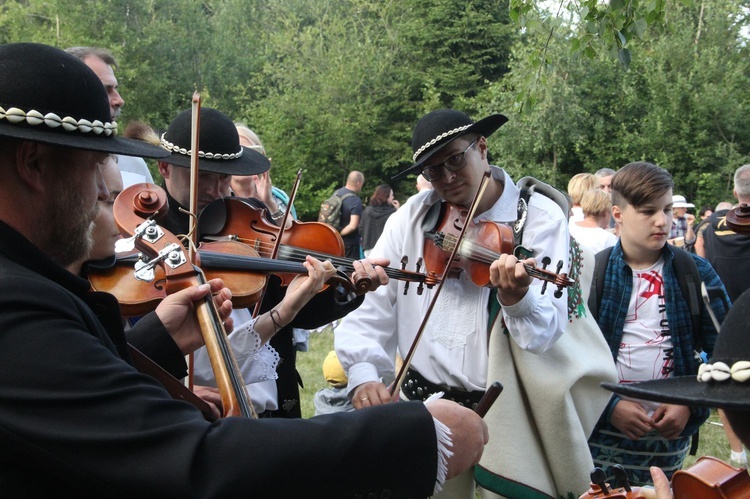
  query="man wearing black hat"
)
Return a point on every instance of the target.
[
  {"x": 465, "y": 343},
  {"x": 77, "y": 419},
  {"x": 222, "y": 158},
  {"x": 723, "y": 383}
]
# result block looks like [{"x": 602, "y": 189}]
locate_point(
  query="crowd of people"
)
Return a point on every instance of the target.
[{"x": 559, "y": 301}]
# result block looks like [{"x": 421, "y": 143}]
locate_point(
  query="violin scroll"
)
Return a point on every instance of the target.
[{"x": 600, "y": 489}]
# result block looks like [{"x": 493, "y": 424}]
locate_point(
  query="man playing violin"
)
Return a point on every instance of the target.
[
  {"x": 465, "y": 342},
  {"x": 218, "y": 135},
  {"x": 77, "y": 419}
]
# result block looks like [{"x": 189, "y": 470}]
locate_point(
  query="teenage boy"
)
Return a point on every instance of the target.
[{"x": 646, "y": 321}]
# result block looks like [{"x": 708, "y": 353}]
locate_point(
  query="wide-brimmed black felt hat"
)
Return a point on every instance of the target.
[
  {"x": 724, "y": 382},
  {"x": 219, "y": 145},
  {"x": 52, "y": 97},
  {"x": 439, "y": 128}
]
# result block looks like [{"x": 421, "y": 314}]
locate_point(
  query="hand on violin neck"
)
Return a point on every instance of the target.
[
  {"x": 509, "y": 276},
  {"x": 372, "y": 269},
  {"x": 298, "y": 294},
  {"x": 177, "y": 313}
]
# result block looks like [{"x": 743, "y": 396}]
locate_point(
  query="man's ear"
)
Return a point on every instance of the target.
[
  {"x": 482, "y": 147},
  {"x": 164, "y": 169},
  {"x": 30, "y": 165}
]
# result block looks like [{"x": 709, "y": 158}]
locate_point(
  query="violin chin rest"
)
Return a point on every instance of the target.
[{"x": 212, "y": 219}]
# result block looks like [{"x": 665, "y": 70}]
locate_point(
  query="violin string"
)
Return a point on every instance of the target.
[
  {"x": 293, "y": 253},
  {"x": 485, "y": 255}
]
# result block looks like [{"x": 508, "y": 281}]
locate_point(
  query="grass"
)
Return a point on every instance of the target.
[{"x": 712, "y": 440}]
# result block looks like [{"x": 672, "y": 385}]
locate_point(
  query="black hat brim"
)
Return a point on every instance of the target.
[
  {"x": 484, "y": 127},
  {"x": 113, "y": 145},
  {"x": 250, "y": 163},
  {"x": 686, "y": 390}
]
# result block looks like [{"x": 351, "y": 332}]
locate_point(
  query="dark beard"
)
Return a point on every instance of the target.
[{"x": 68, "y": 235}]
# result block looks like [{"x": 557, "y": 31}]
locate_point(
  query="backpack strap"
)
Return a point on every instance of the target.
[
  {"x": 528, "y": 186},
  {"x": 601, "y": 260},
  {"x": 690, "y": 284}
]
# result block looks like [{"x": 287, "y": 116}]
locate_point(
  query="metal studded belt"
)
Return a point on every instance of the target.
[{"x": 417, "y": 387}]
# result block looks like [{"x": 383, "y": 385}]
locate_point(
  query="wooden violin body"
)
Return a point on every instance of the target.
[
  {"x": 235, "y": 219},
  {"x": 483, "y": 243},
  {"x": 711, "y": 478}
]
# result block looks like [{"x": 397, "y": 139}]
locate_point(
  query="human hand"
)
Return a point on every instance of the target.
[
  {"x": 210, "y": 396},
  {"x": 396, "y": 204},
  {"x": 370, "y": 394},
  {"x": 631, "y": 418},
  {"x": 263, "y": 187},
  {"x": 468, "y": 432},
  {"x": 690, "y": 218},
  {"x": 304, "y": 287},
  {"x": 373, "y": 269},
  {"x": 177, "y": 313},
  {"x": 661, "y": 488},
  {"x": 509, "y": 276},
  {"x": 670, "y": 420}
]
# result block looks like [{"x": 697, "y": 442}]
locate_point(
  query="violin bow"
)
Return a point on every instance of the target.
[
  {"x": 410, "y": 355},
  {"x": 277, "y": 243},
  {"x": 206, "y": 310}
]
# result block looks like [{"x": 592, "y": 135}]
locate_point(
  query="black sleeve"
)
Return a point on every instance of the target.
[
  {"x": 150, "y": 337},
  {"x": 325, "y": 307},
  {"x": 76, "y": 420}
]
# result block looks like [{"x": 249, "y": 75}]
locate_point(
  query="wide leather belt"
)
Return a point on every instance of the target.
[{"x": 417, "y": 387}]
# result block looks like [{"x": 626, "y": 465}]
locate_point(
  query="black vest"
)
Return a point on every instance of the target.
[{"x": 728, "y": 253}]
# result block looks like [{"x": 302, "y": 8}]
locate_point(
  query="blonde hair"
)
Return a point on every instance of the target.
[
  {"x": 596, "y": 202},
  {"x": 579, "y": 184},
  {"x": 245, "y": 133}
]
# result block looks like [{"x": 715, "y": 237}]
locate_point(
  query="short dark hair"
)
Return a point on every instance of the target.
[
  {"x": 83, "y": 52},
  {"x": 638, "y": 183}
]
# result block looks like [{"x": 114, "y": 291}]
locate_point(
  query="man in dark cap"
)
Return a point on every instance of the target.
[
  {"x": 476, "y": 334},
  {"x": 221, "y": 158},
  {"x": 724, "y": 382},
  {"x": 77, "y": 419}
]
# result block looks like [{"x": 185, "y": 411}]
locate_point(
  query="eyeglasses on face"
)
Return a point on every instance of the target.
[{"x": 452, "y": 164}]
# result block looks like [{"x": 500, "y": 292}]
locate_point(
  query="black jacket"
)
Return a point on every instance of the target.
[{"x": 77, "y": 420}]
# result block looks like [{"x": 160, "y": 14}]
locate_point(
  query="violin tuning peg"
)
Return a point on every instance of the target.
[
  {"x": 419, "y": 264},
  {"x": 622, "y": 477},
  {"x": 406, "y": 287},
  {"x": 559, "y": 266},
  {"x": 420, "y": 288},
  {"x": 546, "y": 261},
  {"x": 404, "y": 261},
  {"x": 558, "y": 292},
  {"x": 598, "y": 477}
]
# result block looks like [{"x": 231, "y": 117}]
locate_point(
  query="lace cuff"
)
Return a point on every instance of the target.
[
  {"x": 444, "y": 445},
  {"x": 257, "y": 361}
]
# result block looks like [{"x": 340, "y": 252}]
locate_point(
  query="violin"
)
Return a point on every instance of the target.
[
  {"x": 140, "y": 287},
  {"x": 130, "y": 209},
  {"x": 234, "y": 219},
  {"x": 709, "y": 478},
  {"x": 600, "y": 489},
  {"x": 483, "y": 243}
]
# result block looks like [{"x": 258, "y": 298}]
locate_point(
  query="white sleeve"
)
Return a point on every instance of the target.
[
  {"x": 256, "y": 361},
  {"x": 539, "y": 320}
]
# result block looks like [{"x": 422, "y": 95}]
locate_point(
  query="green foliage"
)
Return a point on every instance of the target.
[{"x": 336, "y": 85}]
